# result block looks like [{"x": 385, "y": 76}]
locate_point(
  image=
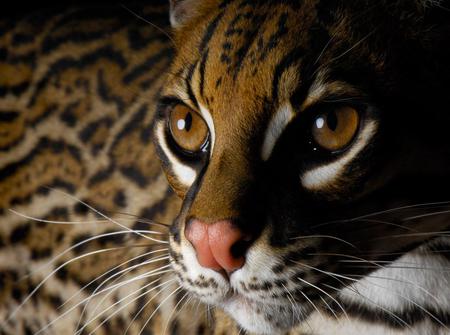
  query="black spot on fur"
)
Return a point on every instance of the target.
[
  {"x": 280, "y": 282},
  {"x": 55, "y": 301},
  {"x": 19, "y": 233},
  {"x": 120, "y": 198},
  {"x": 218, "y": 82},
  {"x": 62, "y": 273},
  {"x": 16, "y": 90},
  {"x": 87, "y": 132},
  {"x": 79, "y": 208},
  {"x": 201, "y": 329},
  {"x": 135, "y": 175},
  {"x": 102, "y": 175},
  {"x": 8, "y": 116},
  {"x": 22, "y": 38},
  {"x": 40, "y": 254},
  {"x": 17, "y": 294},
  {"x": 48, "y": 111},
  {"x": 117, "y": 239},
  {"x": 27, "y": 330},
  {"x": 80, "y": 238},
  {"x": 106, "y": 94}
]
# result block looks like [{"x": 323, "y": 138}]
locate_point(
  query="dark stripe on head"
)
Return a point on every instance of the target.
[
  {"x": 210, "y": 31},
  {"x": 256, "y": 22},
  {"x": 188, "y": 83},
  {"x": 202, "y": 72}
]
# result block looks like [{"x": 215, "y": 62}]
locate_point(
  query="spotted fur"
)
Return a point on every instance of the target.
[{"x": 77, "y": 102}]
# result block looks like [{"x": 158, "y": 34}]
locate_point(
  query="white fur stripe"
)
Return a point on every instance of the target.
[
  {"x": 275, "y": 128},
  {"x": 320, "y": 177},
  {"x": 210, "y": 123},
  {"x": 185, "y": 174}
]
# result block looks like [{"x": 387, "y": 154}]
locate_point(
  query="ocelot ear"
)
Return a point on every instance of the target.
[{"x": 182, "y": 11}]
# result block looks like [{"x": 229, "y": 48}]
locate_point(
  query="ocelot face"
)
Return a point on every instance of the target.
[{"x": 293, "y": 133}]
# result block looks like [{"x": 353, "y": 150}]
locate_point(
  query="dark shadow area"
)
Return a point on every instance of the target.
[{"x": 23, "y": 8}]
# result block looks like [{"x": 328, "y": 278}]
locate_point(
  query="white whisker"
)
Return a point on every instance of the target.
[
  {"x": 410, "y": 301},
  {"x": 403, "y": 281},
  {"x": 395, "y": 316},
  {"x": 426, "y": 215},
  {"x": 149, "y": 22},
  {"x": 55, "y": 222},
  {"x": 109, "y": 271},
  {"x": 330, "y": 308},
  {"x": 122, "y": 273},
  {"x": 103, "y": 215},
  {"x": 328, "y": 295},
  {"x": 79, "y": 331},
  {"x": 157, "y": 308},
  {"x": 82, "y": 302},
  {"x": 92, "y": 238},
  {"x": 175, "y": 310},
  {"x": 390, "y": 210},
  {"x": 291, "y": 300},
  {"x": 53, "y": 272},
  {"x": 324, "y": 236}
]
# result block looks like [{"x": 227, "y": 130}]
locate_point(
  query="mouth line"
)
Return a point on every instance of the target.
[{"x": 237, "y": 297}]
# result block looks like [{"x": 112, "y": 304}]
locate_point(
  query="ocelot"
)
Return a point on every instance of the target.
[{"x": 305, "y": 143}]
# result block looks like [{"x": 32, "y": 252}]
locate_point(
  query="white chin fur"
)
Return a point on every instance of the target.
[{"x": 244, "y": 312}]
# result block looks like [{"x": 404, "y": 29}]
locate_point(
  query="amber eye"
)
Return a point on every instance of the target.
[
  {"x": 334, "y": 130},
  {"x": 188, "y": 129}
]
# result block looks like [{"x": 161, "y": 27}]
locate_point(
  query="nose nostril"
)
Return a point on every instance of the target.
[{"x": 239, "y": 248}]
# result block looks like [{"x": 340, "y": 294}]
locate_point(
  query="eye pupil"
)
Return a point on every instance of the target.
[
  {"x": 188, "y": 122},
  {"x": 332, "y": 120}
]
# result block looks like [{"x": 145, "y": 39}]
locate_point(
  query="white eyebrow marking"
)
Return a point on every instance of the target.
[
  {"x": 320, "y": 177},
  {"x": 275, "y": 128},
  {"x": 210, "y": 123},
  {"x": 185, "y": 174}
]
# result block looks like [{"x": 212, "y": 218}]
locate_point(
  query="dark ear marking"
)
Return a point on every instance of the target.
[{"x": 181, "y": 11}]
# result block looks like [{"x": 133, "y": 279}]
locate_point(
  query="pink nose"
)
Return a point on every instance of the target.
[{"x": 214, "y": 242}]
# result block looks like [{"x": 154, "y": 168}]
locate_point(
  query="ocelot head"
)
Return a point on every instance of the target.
[{"x": 307, "y": 142}]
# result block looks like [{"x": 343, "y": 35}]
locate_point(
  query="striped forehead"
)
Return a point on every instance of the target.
[{"x": 241, "y": 46}]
